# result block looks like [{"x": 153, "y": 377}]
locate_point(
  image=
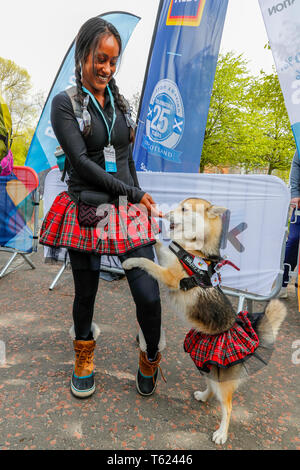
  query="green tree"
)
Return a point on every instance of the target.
[
  {"x": 277, "y": 145},
  {"x": 225, "y": 135},
  {"x": 248, "y": 127},
  {"x": 15, "y": 87},
  {"x": 135, "y": 102},
  {"x": 20, "y": 146}
]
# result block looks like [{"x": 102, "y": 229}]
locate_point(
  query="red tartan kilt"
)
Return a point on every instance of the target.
[
  {"x": 120, "y": 230},
  {"x": 225, "y": 349}
]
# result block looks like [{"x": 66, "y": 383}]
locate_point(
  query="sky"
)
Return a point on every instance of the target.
[{"x": 38, "y": 33}]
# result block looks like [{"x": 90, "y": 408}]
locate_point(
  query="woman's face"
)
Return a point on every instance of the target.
[{"x": 97, "y": 71}]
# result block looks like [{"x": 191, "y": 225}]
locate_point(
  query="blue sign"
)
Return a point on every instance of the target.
[
  {"x": 40, "y": 156},
  {"x": 178, "y": 85}
]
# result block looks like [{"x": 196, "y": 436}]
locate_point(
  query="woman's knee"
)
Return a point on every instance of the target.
[{"x": 146, "y": 295}]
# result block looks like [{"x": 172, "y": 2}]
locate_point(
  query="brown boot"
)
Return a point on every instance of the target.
[
  {"x": 146, "y": 379},
  {"x": 82, "y": 383}
]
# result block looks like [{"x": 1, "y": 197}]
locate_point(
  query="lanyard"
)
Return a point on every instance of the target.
[{"x": 109, "y": 130}]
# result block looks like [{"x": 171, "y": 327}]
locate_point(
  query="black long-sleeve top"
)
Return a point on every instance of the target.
[
  {"x": 85, "y": 154},
  {"x": 295, "y": 176}
]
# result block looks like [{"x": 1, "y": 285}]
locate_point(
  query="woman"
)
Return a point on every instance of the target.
[
  {"x": 98, "y": 152},
  {"x": 292, "y": 243}
]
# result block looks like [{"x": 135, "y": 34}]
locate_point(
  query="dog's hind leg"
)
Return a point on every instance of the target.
[
  {"x": 224, "y": 392},
  {"x": 204, "y": 396}
]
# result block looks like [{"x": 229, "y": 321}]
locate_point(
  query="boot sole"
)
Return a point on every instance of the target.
[
  {"x": 82, "y": 393},
  {"x": 141, "y": 393}
]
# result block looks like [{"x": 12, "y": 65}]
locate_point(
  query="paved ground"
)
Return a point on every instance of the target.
[{"x": 37, "y": 410}]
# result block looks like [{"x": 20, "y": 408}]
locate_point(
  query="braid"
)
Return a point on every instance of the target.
[
  {"x": 122, "y": 103},
  {"x": 80, "y": 97},
  {"x": 119, "y": 99},
  {"x": 80, "y": 94}
]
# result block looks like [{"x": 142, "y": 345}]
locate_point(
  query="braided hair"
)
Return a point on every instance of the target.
[{"x": 87, "y": 40}]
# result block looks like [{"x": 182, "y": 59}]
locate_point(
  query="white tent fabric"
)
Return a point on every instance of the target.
[{"x": 258, "y": 207}]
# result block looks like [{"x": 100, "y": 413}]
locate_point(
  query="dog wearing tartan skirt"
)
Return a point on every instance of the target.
[{"x": 221, "y": 343}]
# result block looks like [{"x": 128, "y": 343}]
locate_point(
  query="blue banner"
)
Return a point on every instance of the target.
[
  {"x": 178, "y": 85},
  {"x": 40, "y": 156}
]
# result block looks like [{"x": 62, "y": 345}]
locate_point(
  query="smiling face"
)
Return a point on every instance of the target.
[{"x": 100, "y": 65}]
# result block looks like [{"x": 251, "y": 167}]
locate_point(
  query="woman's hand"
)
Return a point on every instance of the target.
[
  {"x": 295, "y": 202},
  {"x": 150, "y": 205}
]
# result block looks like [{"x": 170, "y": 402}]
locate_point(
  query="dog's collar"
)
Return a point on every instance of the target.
[{"x": 203, "y": 272}]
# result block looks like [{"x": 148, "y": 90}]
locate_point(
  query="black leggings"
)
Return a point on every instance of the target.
[{"x": 144, "y": 289}]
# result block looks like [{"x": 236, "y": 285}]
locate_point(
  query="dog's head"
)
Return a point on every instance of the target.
[{"x": 196, "y": 224}]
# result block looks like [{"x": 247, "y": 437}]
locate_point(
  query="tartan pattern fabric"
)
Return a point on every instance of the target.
[
  {"x": 119, "y": 231},
  {"x": 225, "y": 349}
]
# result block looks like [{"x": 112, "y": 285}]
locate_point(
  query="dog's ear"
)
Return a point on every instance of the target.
[{"x": 215, "y": 211}]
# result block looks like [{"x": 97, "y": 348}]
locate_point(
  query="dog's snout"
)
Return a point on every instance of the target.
[{"x": 169, "y": 216}]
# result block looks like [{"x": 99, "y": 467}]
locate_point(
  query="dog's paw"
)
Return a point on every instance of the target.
[
  {"x": 130, "y": 263},
  {"x": 201, "y": 396},
  {"x": 219, "y": 436}
]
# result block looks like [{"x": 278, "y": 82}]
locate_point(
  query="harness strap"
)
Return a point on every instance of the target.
[
  {"x": 202, "y": 272},
  {"x": 188, "y": 283}
]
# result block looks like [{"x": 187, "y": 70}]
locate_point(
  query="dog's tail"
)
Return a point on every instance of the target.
[{"x": 270, "y": 323}]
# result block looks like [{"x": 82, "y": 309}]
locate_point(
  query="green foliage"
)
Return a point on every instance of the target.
[
  {"x": 15, "y": 87},
  {"x": 21, "y": 145},
  {"x": 276, "y": 139},
  {"x": 225, "y": 134},
  {"x": 248, "y": 127}
]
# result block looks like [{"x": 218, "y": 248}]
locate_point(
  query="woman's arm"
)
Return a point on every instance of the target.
[
  {"x": 69, "y": 136},
  {"x": 132, "y": 168}
]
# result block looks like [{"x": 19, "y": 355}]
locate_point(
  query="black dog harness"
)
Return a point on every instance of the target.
[{"x": 203, "y": 272}]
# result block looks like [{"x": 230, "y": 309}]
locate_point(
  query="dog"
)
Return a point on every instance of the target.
[{"x": 196, "y": 226}]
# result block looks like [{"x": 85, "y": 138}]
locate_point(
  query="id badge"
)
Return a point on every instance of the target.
[{"x": 110, "y": 159}]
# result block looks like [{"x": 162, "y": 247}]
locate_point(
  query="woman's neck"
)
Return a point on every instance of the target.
[
  {"x": 100, "y": 98},
  {"x": 99, "y": 95}
]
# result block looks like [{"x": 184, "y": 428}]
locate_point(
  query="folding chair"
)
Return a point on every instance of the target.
[{"x": 19, "y": 201}]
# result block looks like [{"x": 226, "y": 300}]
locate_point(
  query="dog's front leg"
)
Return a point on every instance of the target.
[
  {"x": 158, "y": 272},
  {"x": 204, "y": 396},
  {"x": 162, "y": 253},
  {"x": 158, "y": 247}
]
